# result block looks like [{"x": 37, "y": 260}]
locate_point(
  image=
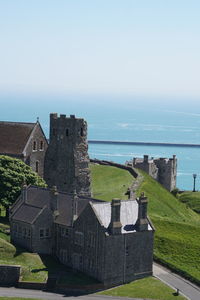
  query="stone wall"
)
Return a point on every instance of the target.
[
  {"x": 113, "y": 164},
  {"x": 9, "y": 275},
  {"x": 67, "y": 160}
]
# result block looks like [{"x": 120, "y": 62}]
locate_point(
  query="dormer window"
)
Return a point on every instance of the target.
[{"x": 34, "y": 146}]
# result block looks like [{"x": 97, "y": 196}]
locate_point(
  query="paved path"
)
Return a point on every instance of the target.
[
  {"x": 188, "y": 289},
  {"x": 13, "y": 292}
]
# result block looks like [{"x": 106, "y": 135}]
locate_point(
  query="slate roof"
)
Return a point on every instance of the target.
[
  {"x": 27, "y": 213},
  {"x": 38, "y": 198},
  {"x": 14, "y": 136},
  {"x": 128, "y": 214}
]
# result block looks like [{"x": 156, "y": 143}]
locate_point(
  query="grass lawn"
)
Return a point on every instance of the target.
[
  {"x": 110, "y": 182},
  {"x": 150, "y": 288},
  {"x": 191, "y": 199}
]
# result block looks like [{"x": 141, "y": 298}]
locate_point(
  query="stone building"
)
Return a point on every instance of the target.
[
  {"x": 67, "y": 161},
  {"x": 25, "y": 141},
  {"x": 110, "y": 241},
  {"x": 164, "y": 170}
]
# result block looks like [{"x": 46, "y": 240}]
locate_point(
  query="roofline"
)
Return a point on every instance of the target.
[
  {"x": 39, "y": 213},
  {"x": 150, "y": 223},
  {"x": 18, "y": 122}
]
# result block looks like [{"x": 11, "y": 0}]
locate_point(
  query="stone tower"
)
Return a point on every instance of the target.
[{"x": 67, "y": 161}]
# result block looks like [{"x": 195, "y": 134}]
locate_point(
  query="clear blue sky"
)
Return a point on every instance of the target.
[{"x": 126, "y": 47}]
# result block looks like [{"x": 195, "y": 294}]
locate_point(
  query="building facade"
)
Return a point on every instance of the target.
[{"x": 25, "y": 141}]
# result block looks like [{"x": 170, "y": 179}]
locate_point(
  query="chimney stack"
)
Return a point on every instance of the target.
[
  {"x": 24, "y": 192},
  {"x": 54, "y": 198},
  {"x": 142, "y": 222},
  {"x": 115, "y": 224}
]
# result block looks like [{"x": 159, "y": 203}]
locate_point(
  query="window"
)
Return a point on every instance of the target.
[
  {"x": 47, "y": 232},
  {"x": 44, "y": 233},
  {"x": 64, "y": 256},
  {"x": 81, "y": 131},
  {"x": 54, "y": 131},
  {"x": 64, "y": 232},
  {"x": 37, "y": 166},
  {"x": 41, "y": 146},
  {"x": 91, "y": 239},
  {"x": 34, "y": 146},
  {"x": 24, "y": 232},
  {"x": 41, "y": 233},
  {"x": 79, "y": 238},
  {"x": 67, "y": 132}
]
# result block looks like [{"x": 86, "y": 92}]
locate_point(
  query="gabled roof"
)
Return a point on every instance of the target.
[
  {"x": 14, "y": 137},
  {"x": 27, "y": 213},
  {"x": 128, "y": 214},
  {"x": 38, "y": 198}
]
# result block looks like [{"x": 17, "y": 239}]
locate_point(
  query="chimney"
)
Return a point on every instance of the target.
[
  {"x": 115, "y": 224},
  {"x": 142, "y": 222},
  {"x": 24, "y": 192},
  {"x": 54, "y": 199},
  {"x": 74, "y": 206}
]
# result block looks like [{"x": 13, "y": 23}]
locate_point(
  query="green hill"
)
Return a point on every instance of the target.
[
  {"x": 191, "y": 199},
  {"x": 177, "y": 236}
]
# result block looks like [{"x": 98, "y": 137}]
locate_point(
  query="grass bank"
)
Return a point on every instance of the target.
[
  {"x": 191, "y": 199},
  {"x": 148, "y": 288}
]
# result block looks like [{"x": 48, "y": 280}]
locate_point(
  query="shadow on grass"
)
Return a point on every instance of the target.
[{"x": 61, "y": 277}]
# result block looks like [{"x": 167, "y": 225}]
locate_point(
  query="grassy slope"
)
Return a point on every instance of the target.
[
  {"x": 154, "y": 289},
  {"x": 177, "y": 236},
  {"x": 191, "y": 199},
  {"x": 109, "y": 182}
]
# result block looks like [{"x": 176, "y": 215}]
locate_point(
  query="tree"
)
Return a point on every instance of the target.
[{"x": 13, "y": 174}]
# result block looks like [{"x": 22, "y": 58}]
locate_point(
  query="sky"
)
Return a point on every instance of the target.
[{"x": 147, "y": 48}]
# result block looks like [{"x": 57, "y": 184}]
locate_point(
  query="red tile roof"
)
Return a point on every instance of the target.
[{"x": 14, "y": 136}]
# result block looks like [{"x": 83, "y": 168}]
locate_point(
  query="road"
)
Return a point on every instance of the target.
[
  {"x": 186, "y": 288},
  {"x": 13, "y": 292}
]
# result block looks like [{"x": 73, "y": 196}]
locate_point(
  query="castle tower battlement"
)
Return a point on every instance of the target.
[
  {"x": 67, "y": 161},
  {"x": 164, "y": 170}
]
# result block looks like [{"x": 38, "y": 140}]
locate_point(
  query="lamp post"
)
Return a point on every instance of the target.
[{"x": 194, "y": 176}]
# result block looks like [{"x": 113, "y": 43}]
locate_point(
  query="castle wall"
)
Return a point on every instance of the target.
[
  {"x": 67, "y": 160},
  {"x": 163, "y": 170}
]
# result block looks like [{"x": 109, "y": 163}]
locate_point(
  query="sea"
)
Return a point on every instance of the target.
[{"x": 121, "y": 118}]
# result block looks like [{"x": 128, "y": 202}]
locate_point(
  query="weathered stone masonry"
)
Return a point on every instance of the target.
[{"x": 67, "y": 161}]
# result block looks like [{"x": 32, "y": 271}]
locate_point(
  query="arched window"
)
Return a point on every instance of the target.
[
  {"x": 54, "y": 131},
  {"x": 81, "y": 131},
  {"x": 37, "y": 166},
  {"x": 34, "y": 146},
  {"x": 41, "y": 145}
]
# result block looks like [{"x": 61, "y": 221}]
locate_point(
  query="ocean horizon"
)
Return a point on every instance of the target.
[{"x": 129, "y": 119}]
